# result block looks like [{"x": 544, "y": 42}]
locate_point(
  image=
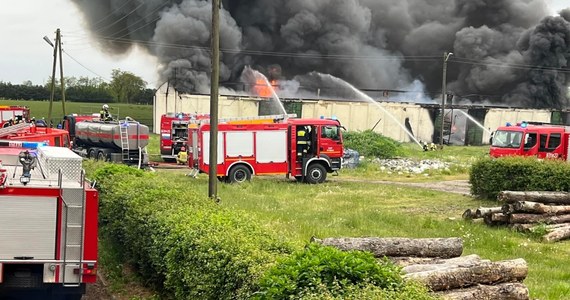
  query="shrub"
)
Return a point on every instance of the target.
[
  {"x": 370, "y": 143},
  {"x": 318, "y": 269},
  {"x": 489, "y": 176},
  {"x": 180, "y": 242}
]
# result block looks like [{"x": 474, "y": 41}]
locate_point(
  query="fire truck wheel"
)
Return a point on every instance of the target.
[
  {"x": 102, "y": 156},
  {"x": 92, "y": 154},
  {"x": 316, "y": 173},
  {"x": 239, "y": 174}
]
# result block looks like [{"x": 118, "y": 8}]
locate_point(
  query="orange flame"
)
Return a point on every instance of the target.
[{"x": 262, "y": 89}]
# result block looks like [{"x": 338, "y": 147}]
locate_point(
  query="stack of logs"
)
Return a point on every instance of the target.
[
  {"x": 437, "y": 263},
  {"x": 545, "y": 212}
]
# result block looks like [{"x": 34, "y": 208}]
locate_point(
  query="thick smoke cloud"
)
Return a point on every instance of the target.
[{"x": 505, "y": 51}]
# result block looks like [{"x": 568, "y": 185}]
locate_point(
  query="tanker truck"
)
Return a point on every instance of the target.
[{"x": 122, "y": 141}]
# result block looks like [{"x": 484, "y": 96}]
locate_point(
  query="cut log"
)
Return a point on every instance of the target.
[
  {"x": 503, "y": 291},
  {"x": 542, "y": 197},
  {"x": 540, "y": 208},
  {"x": 483, "y": 211},
  {"x": 557, "y": 234},
  {"x": 439, "y": 264},
  {"x": 459, "y": 277},
  {"x": 496, "y": 219},
  {"x": 522, "y": 227},
  {"x": 507, "y": 209},
  {"x": 532, "y": 218},
  {"x": 534, "y": 227},
  {"x": 468, "y": 214},
  {"x": 380, "y": 247}
]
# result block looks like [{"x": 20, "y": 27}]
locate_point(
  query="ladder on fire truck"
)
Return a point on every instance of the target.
[
  {"x": 72, "y": 240},
  {"x": 124, "y": 125},
  {"x": 13, "y": 129}
]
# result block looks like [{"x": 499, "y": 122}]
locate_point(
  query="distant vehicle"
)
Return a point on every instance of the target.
[
  {"x": 306, "y": 149},
  {"x": 174, "y": 133},
  {"x": 531, "y": 139},
  {"x": 13, "y": 113},
  {"x": 122, "y": 141}
]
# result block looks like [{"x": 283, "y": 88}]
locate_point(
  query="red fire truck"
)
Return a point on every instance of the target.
[
  {"x": 174, "y": 133},
  {"x": 531, "y": 139},
  {"x": 31, "y": 132},
  {"x": 13, "y": 112},
  {"x": 48, "y": 223},
  {"x": 253, "y": 148}
]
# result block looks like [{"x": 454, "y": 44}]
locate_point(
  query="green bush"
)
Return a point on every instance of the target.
[
  {"x": 182, "y": 243},
  {"x": 325, "y": 270},
  {"x": 370, "y": 143},
  {"x": 489, "y": 176}
]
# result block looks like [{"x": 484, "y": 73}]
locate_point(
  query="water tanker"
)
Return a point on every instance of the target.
[{"x": 118, "y": 141}]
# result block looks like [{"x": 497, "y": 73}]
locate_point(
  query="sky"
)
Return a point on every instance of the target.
[{"x": 24, "y": 54}]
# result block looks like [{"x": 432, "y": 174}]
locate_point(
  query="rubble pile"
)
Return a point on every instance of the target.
[{"x": 406, "y": 165}]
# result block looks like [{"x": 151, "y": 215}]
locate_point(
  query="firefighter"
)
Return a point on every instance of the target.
[
  {"x": 182, "y": 157},
  {"x": 302, "y": 141},
  {"x": 105, "y": 114}
]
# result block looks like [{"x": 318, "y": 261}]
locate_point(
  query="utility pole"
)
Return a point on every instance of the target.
[
  {"x": 56, "y": 47},
  {"x": 215, "y": 44},
  {"x": 443, "y": 95}
]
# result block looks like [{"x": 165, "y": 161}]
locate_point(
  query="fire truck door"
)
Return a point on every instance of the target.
[
  {"x": 329, "y": 141},
  {"x": 530, "y": 144}
]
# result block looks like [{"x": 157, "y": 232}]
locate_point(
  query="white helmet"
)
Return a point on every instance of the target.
[{"x": 105, "y": 106}]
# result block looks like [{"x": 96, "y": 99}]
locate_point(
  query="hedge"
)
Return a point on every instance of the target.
[
  {"x": 189, "y": 247},
  {"x": 490, "y": 176},
  {"x": 181, "y": 242},
  {"x": 370, "y": 143}
]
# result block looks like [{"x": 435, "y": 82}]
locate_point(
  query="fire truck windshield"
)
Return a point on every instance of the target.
[{"x": 507, "y": 139}]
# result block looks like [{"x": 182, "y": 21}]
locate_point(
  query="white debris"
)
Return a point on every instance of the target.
[{"x": 406, "y": 165}]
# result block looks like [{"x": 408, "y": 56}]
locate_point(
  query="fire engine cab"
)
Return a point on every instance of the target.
[
  {"x": 531, "y": 139},
  {"x": 48, "y": 222},
  {"x": 174, "y": 133},
  {"x": 306, "y": 149}
]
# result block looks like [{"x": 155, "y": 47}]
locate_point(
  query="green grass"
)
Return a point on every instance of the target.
[
  {"x": 334, "y": 209},
  {"x": 39, "y": 109}
]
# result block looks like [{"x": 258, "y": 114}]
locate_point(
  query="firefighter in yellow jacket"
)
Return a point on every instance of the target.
[{"x": 182, "y": 157}]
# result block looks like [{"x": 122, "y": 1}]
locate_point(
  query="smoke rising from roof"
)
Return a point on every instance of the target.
[{"x": 506, "y": 51}]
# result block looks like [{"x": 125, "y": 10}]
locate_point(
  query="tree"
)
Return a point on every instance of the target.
[{"x": 125, "y": 86}]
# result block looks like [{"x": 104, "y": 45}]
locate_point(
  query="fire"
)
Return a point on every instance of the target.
[{"x": 262, "y": 89}]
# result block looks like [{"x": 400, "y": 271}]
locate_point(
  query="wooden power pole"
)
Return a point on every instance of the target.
[
  {"x": 56, "y": 49},
  {"x": 215, "y": 44}
]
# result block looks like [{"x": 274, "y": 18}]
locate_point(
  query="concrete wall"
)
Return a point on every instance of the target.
[{"x": 387, "y": 118}]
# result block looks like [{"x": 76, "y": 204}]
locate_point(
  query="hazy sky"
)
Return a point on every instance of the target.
[{"x": 24, "y": 55}]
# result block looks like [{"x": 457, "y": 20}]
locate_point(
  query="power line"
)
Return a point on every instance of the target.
[{"x": 86, "y": 68}]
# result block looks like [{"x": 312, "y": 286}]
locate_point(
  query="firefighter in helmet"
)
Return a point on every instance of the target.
[
  {"x": 182, "y": 157},
  {"x": 105, "y": 114},
  {"x": 303, "y": 142}
]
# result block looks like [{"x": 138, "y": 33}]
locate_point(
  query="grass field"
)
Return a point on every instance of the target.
[
  {"x": 338, "y": 208},
  {"x": 39, "y": 109}
]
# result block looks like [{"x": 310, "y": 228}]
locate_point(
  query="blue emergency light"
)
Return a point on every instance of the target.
[
  {"x": 21, "y": 144},
  {"x": 524, "y": 124}
]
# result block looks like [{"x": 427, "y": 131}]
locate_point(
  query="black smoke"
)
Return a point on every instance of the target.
[{"x": 505, "y": 51}]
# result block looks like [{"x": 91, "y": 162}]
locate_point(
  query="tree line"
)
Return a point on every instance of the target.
[{"x": 125, "y": 87}]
